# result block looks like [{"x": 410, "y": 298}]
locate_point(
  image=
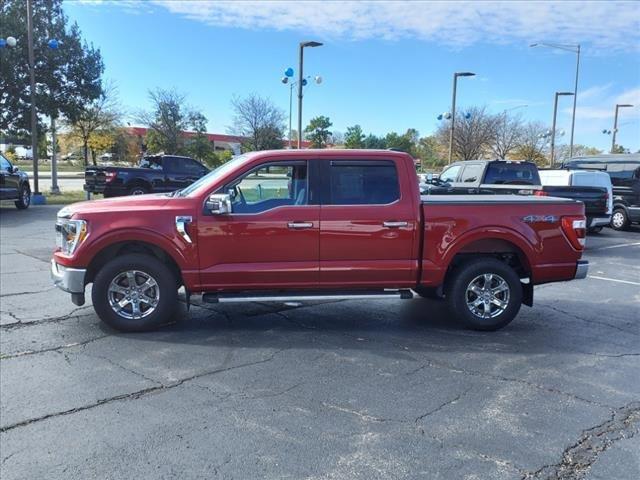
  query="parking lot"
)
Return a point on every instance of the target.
[{"x": 321, "y": 390}]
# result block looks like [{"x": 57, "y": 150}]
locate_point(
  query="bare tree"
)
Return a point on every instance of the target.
[
  {"x": 102, "y": 114},
  {"x": 167, "y": 120},
  {"x": 507, "y": 135},
  {"x": 474, "y": 132},
  {"x": 259, "y": 121},
  {"x": 533, "y": 143}
]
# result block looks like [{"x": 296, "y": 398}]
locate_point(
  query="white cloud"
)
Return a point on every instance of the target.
[
  {"x": 593, "y": 104},
  {"x": 600, "y": 25}
]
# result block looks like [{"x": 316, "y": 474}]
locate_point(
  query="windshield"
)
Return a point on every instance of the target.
[{"x": 212, "y": 176}]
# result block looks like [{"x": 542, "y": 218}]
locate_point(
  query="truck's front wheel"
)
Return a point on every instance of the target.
[
  {"x": 485, "y": 294},
  {"x": 135, "y": 292}
]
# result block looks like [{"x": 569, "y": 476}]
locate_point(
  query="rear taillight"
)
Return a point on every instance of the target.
[
  {"x": 110, "y": 176},
  {"x": 575, "y": 228},
  {"x": 541, "y": 193}
]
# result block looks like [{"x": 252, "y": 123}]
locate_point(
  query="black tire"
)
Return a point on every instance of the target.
[
  {"x": 430, "y": 293},
  {"x": 595, "y": 229},
  {"x": 463, "y": 277},
  {"x": 148, "y": 265},
  {"x": 138, "y": 190},
  {"x": 24, "y": 200},
  {"x": 620, "y": 219}
]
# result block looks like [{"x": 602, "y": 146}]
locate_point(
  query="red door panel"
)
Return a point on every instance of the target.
[{"x": 260, "y": 251}]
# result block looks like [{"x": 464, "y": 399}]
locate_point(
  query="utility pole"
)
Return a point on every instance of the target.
[
  {"x": 553, "y": 128},
  {"x": 615, "y": 125},
  {"x": 453, "y": 108}
]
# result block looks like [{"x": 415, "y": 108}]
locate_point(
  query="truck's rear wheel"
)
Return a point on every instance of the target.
[
  {"x": 619, "y": 219},
  {"x": 135, "y": 292},
  {"x": 138, "y": 190},
  {"x": 485, "y": 294}
]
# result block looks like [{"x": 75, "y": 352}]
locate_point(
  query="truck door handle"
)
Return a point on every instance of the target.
[
  {"x": 389, "y": 224},
  {"x": 300, "y": 225}
]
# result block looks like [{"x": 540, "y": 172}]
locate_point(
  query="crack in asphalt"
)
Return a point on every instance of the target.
[
  {"x": 22, "y": 324},
  {"x": 126, "y": 369},
  {"x": 443, "y": 405},
  {"x": 578, "y": 458},
  {"x": 52, "y": 349},
  {"x": 572, "y": 315},
  {"x": 137, "y": 394},
  {"x": 6, "y": 295}
]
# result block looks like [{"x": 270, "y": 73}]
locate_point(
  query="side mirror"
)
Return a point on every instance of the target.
[
  {"x": 15, "y": 169},
  {"x": 219, "y": 204},
  {"x": 429, "y": 177}
]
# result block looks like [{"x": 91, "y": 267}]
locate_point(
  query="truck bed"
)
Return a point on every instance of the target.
[{"x": 492, "y": 199}]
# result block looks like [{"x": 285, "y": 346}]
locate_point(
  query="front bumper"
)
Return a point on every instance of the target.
[
  {"x": 582, "y": 269},
  {"x": 70, "y": 280}
]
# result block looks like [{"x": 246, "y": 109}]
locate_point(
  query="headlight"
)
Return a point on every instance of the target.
[{"x": 70, "y": 234}]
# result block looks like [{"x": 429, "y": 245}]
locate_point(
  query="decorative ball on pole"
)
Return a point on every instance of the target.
[
  {"x": 53, "y": 44},
  {"x": 288, "y": 72},
  {"x": 8, "y": 42}
]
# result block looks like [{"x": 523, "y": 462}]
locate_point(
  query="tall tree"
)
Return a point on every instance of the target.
[
  {"x": 508, "y": 131},
  {"x": 167, "y": 121},
  {"x": 473, "y": 133},
  {"x": 67, "y": 78},
  {"x": 259, "y": 121},
  {"x": 532, "y": 145},
  {"x": 404, "y": 143},
  {"x": 354, "y": 137},
  {"x": 373, "y": 142},
  {"x": 100, "y": 115},
  {"x": 199, "y": 146},
  {"x": 317, "y": 132}
]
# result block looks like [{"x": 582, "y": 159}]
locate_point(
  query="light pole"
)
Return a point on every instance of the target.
[
  {"x": 553, "y": 128},
  {"x": 312, "y": 44},
  {"x": 288, "y": 73},
  {"x": 453, "y": 108},
  {"x": 615, "y": 124},
  {"x": 575, "y": 49},
  {"x": 34, "y": 116}
]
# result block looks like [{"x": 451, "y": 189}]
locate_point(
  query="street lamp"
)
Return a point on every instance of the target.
[
  {"x": 615, "y": 124},
  {"x": 553, "y": 128},
  {"x": 288, "y": 73},
  {"x": 453, "y": 108},
  {"x": 311, "y": 44},
  {"x": 575, "y": 49}
]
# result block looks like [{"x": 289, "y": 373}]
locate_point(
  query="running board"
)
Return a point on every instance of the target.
[{"x": 404, "y": 294}]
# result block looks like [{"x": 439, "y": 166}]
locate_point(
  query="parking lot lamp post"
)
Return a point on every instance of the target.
[
  {"x": 300, "y": 85},
  {"x": 34, "y": 116},
  {"x": 575, "y": 49},
  {"x": 615, "y": 125},
  {"x": 286, "y": 80},
  {"x": 553, "y": 127},
  {"x": 453, "y": 108}
]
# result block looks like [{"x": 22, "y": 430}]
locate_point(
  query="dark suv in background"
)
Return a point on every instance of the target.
[
  {"x": 485, "y": 176},
  {"x": 624, "y": 170},
  {"x": 14, "y": 184}
]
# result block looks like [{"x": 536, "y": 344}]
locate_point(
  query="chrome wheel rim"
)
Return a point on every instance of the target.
[
  {"x": 618, "y": 220},
  {"x": 26, "y": 196},
  {"x": 487, "y": 295},
  {"x": 133, "y": 294},
  {"x": 137, "y": 191}
]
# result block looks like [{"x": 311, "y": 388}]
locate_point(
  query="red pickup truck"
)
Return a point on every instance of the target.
[{"x": 315, "y": 224}]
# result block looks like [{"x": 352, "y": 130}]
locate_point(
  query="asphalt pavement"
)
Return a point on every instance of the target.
[{"x": 381, "y": 389}]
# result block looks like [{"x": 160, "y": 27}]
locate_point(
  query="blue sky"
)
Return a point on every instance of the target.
[{"x": 386, "y": 65}]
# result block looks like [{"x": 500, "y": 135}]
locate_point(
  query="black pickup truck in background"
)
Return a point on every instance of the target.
[
  {"x": 485, "y": 177},
  {"x": 154, "y": 174}
]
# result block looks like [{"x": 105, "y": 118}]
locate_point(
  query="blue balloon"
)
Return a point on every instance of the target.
[
  {"x": 304, "y": 82},
  {"x": 289, "y": 72},
  {"x": 53, "y": 44},
  {"x": 467, "y": 116},
  {"x": 440, "y": 117},
  {"x": 3, "y": 43}
]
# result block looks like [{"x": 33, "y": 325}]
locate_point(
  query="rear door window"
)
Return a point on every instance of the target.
[
  {"x": 363, "y": 183},
  {"x": 472, "y": 173},
  {"x": 503, "y": 173}
]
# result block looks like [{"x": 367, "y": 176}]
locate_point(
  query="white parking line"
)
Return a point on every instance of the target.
[
  {"x": 614, "y": 280},
  {"x": 618, "y": 246}
]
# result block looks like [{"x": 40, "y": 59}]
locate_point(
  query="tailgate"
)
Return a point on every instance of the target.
[
  {"x": 595, "y": 199},
  {"x": 95, "y": 179}
]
